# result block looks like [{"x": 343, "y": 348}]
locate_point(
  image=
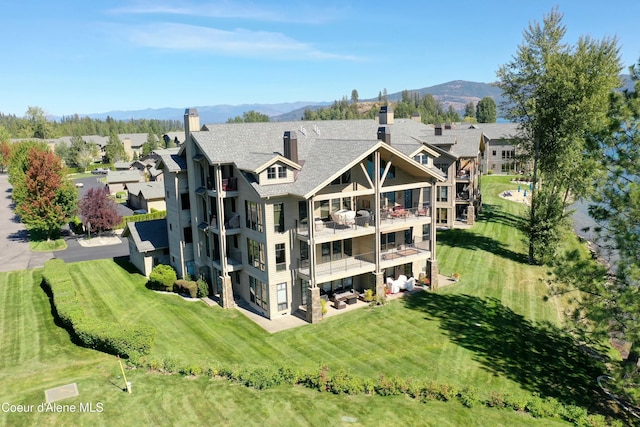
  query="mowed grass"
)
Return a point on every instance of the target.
[
  {"x": 492, "y": 330},
  {"x": 38, "y": 355}
]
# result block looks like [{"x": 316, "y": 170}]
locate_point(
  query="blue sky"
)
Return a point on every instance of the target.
[{"x": 96, "y": 56}]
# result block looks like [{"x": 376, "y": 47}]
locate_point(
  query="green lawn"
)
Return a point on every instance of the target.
[
  {"x": 39, "y": 355},
  {"x": 492, "y": 330}
]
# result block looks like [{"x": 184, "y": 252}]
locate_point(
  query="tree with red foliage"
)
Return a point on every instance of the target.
[
  {"x": 98, "y": 209},
  {"x": 5, "y": 153},
  {"x": 49, "y": 199}
]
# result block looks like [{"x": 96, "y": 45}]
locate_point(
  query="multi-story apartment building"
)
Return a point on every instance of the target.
[
  {"x": 458, "y": 198},
  {"x": 280, "y": 214},
  {"x": 502, "y": 154}
]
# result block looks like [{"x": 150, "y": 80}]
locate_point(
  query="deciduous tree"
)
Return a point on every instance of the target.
[
  {"x": 49, "y": 199},
  {"x": 5, "y": 154},
  {"x": 609, "y": 302},
  {"x": 486, "y": 110},
  {"x": 98, "y": 209},
  {"x": 19, "y": 160},
  {"x": 470, "y": 110},
  {"x": 559, "y": 95}
]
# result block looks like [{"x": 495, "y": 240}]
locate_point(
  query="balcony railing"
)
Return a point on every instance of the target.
[
  {"x": 230, "y": 184},
  {"x": 401, "y": 214},
  {"x": 405, "y": 250},
  {"x": 332, "y": 266},
  {"x": 387, "y": 216}
]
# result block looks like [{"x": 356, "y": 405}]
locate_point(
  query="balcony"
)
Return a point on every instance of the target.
[
  {"x": 351, "y": 265},
  {"x": 399, "y": 215},
  {"x": 364, "y": 224},
  {"x": 403, "y": 253},
  {"x": 230, "y": 184}
]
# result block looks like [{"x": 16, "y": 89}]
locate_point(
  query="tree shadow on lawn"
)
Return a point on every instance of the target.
[
  {"x": 540, "y": 357},
  {"x": 496, "y": 214},
  {"x": 467, "y": 239}
]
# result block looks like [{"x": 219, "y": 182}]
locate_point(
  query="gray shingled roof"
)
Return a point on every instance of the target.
[
  {"x": 150, "y": 190},
  {"x": 148, "y": 235},
  {"x": 324, "y": 147},
  {"x": 123, "y": 176},
  {"x": 499, "y": 130},
  {"x": 171, "y": 160}
]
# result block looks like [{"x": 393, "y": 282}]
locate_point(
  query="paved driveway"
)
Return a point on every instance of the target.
[{"x": 14, "y": 244}]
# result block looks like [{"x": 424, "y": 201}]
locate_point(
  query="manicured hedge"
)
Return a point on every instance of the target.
[
  {"x": 124, "y": 339},
  {"x": 142, "y": 217},
  {"x": 186, "y": 287},
  {"x": 342, "y": 382},
  {"x": 162, "y": 278}
]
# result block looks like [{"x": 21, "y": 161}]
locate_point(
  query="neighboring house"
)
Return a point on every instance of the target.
[
  {"x": 502, "y": 152},
  {"x": 146, "y": 195},
  {"x": 148, "y": 244},
  {"x": 133, "y": 143},
  {"x": 117, "y": 180},
  {"x": 122, "y": 166},
  {"x": 280, "y": 214}
]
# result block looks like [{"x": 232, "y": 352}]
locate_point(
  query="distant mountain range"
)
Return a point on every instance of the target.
[{"x": 456, "y": 93}]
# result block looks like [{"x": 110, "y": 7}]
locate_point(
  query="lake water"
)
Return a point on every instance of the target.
[{"x": 582, "y": 220}]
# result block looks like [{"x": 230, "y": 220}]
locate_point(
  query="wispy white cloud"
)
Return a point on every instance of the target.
[
  {"x": 239, "y": 42},
  {"x": 291, "y": 13}
]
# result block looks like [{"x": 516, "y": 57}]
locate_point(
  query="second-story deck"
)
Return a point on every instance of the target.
[{"x": 361, "y": 225}]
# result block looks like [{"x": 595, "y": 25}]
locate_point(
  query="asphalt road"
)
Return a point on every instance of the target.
[{"x": 14, "y": 245}]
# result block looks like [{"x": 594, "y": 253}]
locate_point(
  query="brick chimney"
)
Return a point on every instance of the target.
[
  {"x": 438, "y": 129},
  {"x": 291, "y": 146},
  {"x": 384, "y": 134},
  {"x": 386, "y": 115},
  {"x": 191, "y": 122}
]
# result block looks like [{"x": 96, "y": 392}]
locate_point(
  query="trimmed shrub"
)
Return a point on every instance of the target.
[
  {"x": 468, "y": 396},
  {"x": 124, "y": 339},
  {"x": 138, "y": 218},
  {"x": 162, "y": 277},
  {"x": 183, "y": 287},
  {"x": 368, "y": 295},
  {"x": 203, "y": 288},
  {"x": 343, "y": 383}
]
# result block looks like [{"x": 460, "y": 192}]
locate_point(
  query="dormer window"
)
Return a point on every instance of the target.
[
  {"x": 271, "y": 172},
  {"x": 282, "y": 172},
  {"x": 421, "y": 158}
]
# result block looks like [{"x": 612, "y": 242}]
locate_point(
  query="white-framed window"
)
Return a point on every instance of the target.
[
  {"x": 282, "y": 172},
  {"x": 442, "y": 194},
  {"x": 271, "y": 172},
  {"x": 421, "y": 158},
  {"x": 281, "y": 257},
  {"x": 281, "y": 291}
]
